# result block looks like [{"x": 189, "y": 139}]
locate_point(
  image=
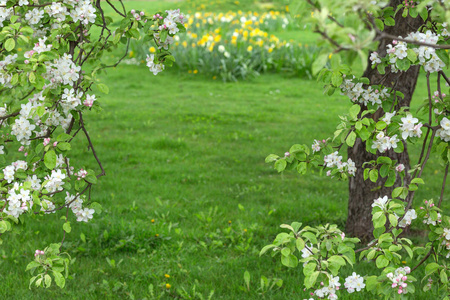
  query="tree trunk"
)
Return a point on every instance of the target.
[{"x": 362, "y": 193}]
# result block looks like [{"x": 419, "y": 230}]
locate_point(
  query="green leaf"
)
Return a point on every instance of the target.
[
  {"x": 63, "y": 137},
  {"x": 311, "y": 280},
  {"x": 103, "y": 88},
  {"x": 266, "y": 248},
  {"x": 384, "y": 160},
  {"x": 40, "y": 111},
  {"x": 337, "y": 259},
  {"x": 431, "y": 268},
  {"x": 32, "y": 265},
  {"x": 319, "y": 63},
  {"x": 403, "y": 64},
  {"x": 285, "y": 251},
  {"x": 443, "y": 55},
  {"x": 290, "y": 261},
  {"x": 381, "y": 125},
  {"x": 47, "y": 280},
  {"x": 280, "y": 165},
  {"x": 389, "y": 21},
  {"x": 418, "y": 181},
  {"x": 271, "y": 158},
  {"x": 64, "y": 146},
  {"x": 67, "y": 227},
  {"x": 379, "y": 24},
  {"x": 397, "y": 191},
  {"x": 393, "y": 220},
  {"x": 10, "y": 44},
  {"x": 381, "y": 262},
  {"x": 354, "y": 111},
  {"x": 444, "y": 277},
  {"x": 300, "y": 244},
  {"x": 364, "y": 134},
  {"x": 336, "y": 78},
  {"x": 351, "y": 139},
  {"x": 163, "y": 35},
  {"x": 91, "y": 178},
  {"x": 424, "y": 14},
  {"x": 50, "y": 159},
  {"x": 412, "y": 56},
  {"x": 59, "y": 279},
  {"x": 373, "y": 175}
]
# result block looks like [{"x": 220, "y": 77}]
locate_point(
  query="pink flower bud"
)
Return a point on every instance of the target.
[
  {"x": 404, "y": 278},
  {"x": 26, "y": 154},
  {"x": 426, "y": 201},
  {"x": 400, "y": 291},
  {"x": 142, "y": 13},
  {"x": 394, "y": 285},
  {"x": 21, "y": 148},
  {"x": 54, "y": 144},
  {"x": 287, "y": 154},
  {"x": 46, "y": 141},
  {"x": 133, "y": 11}
]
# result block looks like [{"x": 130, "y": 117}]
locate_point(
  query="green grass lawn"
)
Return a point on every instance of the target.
[
  {"x": 189, "y": 154},
  {"x": 187, "y": 192}
]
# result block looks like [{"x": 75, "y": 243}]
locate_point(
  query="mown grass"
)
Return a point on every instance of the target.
[{"x": 187, "y": 192}]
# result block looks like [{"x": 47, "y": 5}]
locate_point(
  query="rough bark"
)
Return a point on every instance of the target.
[{"x": 362, "y": 193}]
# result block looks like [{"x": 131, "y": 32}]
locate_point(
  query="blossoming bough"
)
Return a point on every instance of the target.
[
  {"x": 350, "y": 27},
  {"x": 50, "y": 58}
]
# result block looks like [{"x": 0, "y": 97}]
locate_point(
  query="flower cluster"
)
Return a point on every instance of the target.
[
  {"x": 427, "y": 55},
  {"x": 399, "y": 279},
  {"x": 335, "y": 160},
  {"x": 407, "y": 218},
  {"x": 316, "y": 146},
  {"x": 410, "y": 127},
  {"x": 330, "y": 290},
  {"x": 354, "y": 283},
  {"x": 359, "y": 94},
  {"x": 400, "y": 51},
  {"x": 444, "y": 131},
  {"x": 381, "y": 202},
  {"x": 384, "y": 142}
]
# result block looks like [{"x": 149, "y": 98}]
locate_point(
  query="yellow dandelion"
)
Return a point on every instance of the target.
[
  {"x": 329, "y": 56},
  {"x": 131, "y": 53},
  {"x": 194, "y": 35},
  {"x": 156, "y": 235},
  {"x": 195, "y": 71},
  {"x": 229, "y": 222},
  {"x": 167, "y": 275},
  {"x": 245, "y": 230},
  {"x": 168, "y": 286},
  {"x": 153, "y": 221},
  {"x": 214, "y": 77},
  {"x": 152, "y": 49},
  {"x": 249, "y": 48},
  {"x": 184, "y": 43},
  {"x": 270, "y": 50}
]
